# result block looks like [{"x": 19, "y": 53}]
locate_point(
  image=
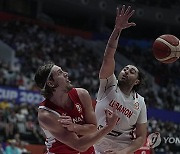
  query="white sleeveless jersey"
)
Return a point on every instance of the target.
[{"x": 130, "y": 109}]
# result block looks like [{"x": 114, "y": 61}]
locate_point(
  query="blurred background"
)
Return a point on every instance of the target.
[{"x": 73, "y": 34}]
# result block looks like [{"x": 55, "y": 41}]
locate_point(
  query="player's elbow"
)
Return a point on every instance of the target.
[{"x": 81, "y": 146}]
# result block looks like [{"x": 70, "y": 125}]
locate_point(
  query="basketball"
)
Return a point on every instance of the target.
[{"x": 166, "y": 48}]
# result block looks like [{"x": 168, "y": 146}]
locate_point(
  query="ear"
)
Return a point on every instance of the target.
[{"x": 137, "y": 82}]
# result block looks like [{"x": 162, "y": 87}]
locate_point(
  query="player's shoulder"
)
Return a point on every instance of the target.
[
  {"x": 44, "y": 115},
  {"x": 82, "y": 92},
  {"x": 140, "y": 98},
  {"x": 84, "y": 96},
  {"x": 48, "y": 121}
]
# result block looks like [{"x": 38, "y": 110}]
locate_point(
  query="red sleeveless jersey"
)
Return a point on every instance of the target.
[{"x": 77, "y": 114}]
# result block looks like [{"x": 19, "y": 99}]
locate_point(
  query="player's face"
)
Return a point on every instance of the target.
[
  {"x": 129, "y": 75},
  {"x": 61, "y": 79}
]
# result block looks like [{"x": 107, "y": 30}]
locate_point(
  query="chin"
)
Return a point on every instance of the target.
[
  {"x": 121, "y": 82},
  {"x": 69, "y": 87}
]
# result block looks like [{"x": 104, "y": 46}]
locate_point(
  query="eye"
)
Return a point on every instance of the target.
[
  {"x": 60, "y": 72},
  {"x": 132, "y": 71}
]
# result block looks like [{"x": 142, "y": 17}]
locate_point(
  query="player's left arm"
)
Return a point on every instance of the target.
[
  {"x": 141, "y": 131},
  {"x": 90, "y": 118},
  {"x": 90, "y": 125}
]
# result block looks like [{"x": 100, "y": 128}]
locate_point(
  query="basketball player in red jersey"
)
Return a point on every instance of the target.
[
  {"x": 122, "y": 93},
  {"x": 77, "y": 130}
]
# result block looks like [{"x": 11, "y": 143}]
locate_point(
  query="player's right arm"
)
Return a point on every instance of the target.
[
  {"x": 49, "y": 121},
  {"x": 108, "y": 64}
]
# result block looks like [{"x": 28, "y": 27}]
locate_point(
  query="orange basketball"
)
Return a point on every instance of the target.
[{"x": 166, "y": 48}]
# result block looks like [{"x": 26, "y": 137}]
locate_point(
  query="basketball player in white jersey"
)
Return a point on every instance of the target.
[{"x": 129, "y": 134}]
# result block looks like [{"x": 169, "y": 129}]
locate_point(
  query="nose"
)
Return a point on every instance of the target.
[
  {"x": 126, "y": 72},
  {"x": 65, "y": 74}
]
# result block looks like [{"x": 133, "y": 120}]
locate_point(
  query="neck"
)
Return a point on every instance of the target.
[
  {"x": 125, "y": 89},
  {"x": 61, "y": 99}
]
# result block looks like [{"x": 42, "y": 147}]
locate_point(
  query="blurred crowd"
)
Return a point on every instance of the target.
[
  {"x": 153, "y": 3},
  {"x": 18, "y": 127},
  {"x": 34, "y": 44}
]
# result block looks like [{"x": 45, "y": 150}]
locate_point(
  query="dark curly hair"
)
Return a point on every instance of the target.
[{"x": 141, "y": 78}]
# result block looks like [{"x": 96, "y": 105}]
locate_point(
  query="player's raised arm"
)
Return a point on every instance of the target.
[{"x": 108, "y": 64}]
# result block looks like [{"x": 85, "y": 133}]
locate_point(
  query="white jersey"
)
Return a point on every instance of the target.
[{"x": 130, "y": 109}]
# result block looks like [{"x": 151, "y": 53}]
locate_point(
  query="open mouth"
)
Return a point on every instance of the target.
[{"x": 124, "y": 77}]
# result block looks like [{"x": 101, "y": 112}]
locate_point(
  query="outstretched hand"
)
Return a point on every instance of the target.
[
  {"x": 122, "y": 18},
  {"x": 111, "y": 117}
]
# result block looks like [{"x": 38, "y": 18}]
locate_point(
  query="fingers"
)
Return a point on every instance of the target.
[
  {"x": 65, "y": 117},
  {"x": 64, "y": 125},
  {"x": 131, "y": 13},
  {"x": 130, "y": 24},
  {"x": 122, "y": 19},
  {"x": 122, "y": 10},
  {"x": 67, "y": 122},
  {"x": 114, "y": 107},
  {"x": 110, "y": 112},
  {"x": 106, "y": 112},
  {"x": 127, "y": 11},
  {"x": 117, "y": 11}
]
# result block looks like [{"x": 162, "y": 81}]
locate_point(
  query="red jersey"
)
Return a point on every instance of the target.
[
  {"x": 77, "y": 114},
  {"x": 143, "y": 150}
]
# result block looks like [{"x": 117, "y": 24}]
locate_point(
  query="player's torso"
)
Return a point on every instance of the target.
[
  {"x": 128, "y": 109},
  {"x": 77, "y": 115}
]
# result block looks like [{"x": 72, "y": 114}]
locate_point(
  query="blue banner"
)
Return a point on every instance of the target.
[
  {"x": 164, "y": 115},
  {"x": 20, "y": 96}
]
